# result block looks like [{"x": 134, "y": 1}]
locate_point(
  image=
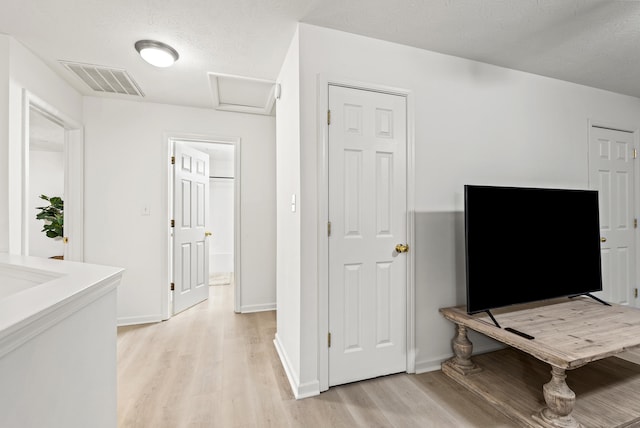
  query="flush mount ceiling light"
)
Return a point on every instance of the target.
[{"x": 156, "y": 53}]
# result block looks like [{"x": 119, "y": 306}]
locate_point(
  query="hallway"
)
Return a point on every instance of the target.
[{"x": 210, "y": 367}]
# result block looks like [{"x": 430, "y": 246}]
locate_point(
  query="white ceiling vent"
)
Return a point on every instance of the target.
[{"x": 104, "y": 79}]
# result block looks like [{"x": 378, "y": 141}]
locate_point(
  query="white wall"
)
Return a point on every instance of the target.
[
  {"x": 4, "y": 142},
  {"x": 25, "y": 71},
  {"x": 46, "y": 177},
  {"x": 222, "y": 162},
  {"x": 288, "y": 222},
  {"x": 124, "y": 166},
  {"x": 474, "y": 123},
  {"x": 221, "y": 218}
]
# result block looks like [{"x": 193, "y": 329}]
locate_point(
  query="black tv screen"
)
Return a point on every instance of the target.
[{"x": 529, "y": 244}]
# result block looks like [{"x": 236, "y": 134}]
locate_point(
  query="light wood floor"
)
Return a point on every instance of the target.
[{"x": 209, "y": 367}]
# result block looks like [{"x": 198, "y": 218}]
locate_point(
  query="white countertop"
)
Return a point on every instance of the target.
[{"x": 45, "y": 291}]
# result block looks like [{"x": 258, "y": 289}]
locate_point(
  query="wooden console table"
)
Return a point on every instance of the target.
[{"x": 568, "y": 334}]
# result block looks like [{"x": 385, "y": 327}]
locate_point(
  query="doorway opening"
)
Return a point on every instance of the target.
[
  {"x": 53, "y": 165},
  {"x": 221, "y": 213},
  {"x": 46, "y": 179},
  {"x": 206, "y": 249}
]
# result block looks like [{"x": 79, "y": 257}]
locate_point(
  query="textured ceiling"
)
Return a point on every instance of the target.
[
  {"x": 593, "y": 42},
  {"x": 237, "y": 37}
]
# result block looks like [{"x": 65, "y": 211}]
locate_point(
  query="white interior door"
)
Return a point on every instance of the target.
[
  {"x": 367, "y": 213},
  {"x": 611, "y": 157},
  {"x": 190, "y": 236}
]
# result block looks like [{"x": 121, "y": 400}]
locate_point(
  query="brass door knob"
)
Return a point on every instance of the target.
[
  {"x": 207, "y": 234},
  {"x": 402, "y": 248},
  {"x": 603, "y": 239}
]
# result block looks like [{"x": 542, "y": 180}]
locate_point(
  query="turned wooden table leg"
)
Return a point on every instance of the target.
[
  {"x": 462, "y": 348},
  {"x": 560, "y": 401}
]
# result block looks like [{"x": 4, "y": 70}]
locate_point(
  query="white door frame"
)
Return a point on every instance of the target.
[
  {"x": 166, "y": 264},
  {"x": 73, "y": 176},
  {"x": 323, "y": 214},
  {"x": 636, "y": 180}
]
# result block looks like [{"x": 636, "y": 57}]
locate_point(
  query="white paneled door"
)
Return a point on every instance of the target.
[
  {"x": 190, "y": 236},
  {"x": 611, "y": 159},
  {"x": 368, "y": 219}
]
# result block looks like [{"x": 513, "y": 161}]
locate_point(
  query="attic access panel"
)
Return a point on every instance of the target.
[{"x": 242, "y": 94}]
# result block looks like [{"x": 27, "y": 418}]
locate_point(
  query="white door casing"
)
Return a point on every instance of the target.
[
  {"x": 611, "y": 170},
  {"x": 367, "y": 173},
  {"x": 73, "y": 182},
  {"x": 190, "y": 241}
]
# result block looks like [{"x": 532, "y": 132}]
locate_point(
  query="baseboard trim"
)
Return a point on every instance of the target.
[
  {"x": 288, "y": 370},
  {"x": 308, "y": 389},
  {"x": 146, "y": 319},
  {"x": 304, "y": 390},
  {"x": 434, "y": 364},
  {"x": 247, "y": 309},
  {"x": 431, "y": 364}
]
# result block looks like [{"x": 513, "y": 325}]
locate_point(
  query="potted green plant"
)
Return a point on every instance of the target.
[{"x": 53, "y": 217}]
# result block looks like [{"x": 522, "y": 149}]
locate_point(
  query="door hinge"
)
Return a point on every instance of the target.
[
  {"x": 328, "y": 228},
  {"x": 173, "y": 160},
  {"x": 635, "y": 153},
  {"x": 173, "y": 286},
  {"x": 635, "y": 223},
  {"x": 173, "y": 223},
  {"x": 328, "y": 117},
  {"x": 329, "y": 339},
  {"x": 635, "y": 293}
]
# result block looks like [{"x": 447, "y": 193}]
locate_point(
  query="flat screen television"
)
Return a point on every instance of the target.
[{"x": 530, "y": 244}]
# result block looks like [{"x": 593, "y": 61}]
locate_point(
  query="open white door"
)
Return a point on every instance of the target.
[
  {"x": 368, "y": 215},
  {"x": 611, "y": 166},
  {"x": 191, "y": 211}
]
